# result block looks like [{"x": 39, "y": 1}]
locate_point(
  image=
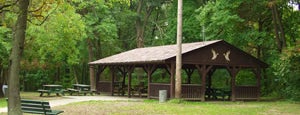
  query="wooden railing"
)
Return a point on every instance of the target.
[
  {"x": 191, "y": 91},
  {"x": 246, "y": 92},
  {"x": 155, "y": 87},
  {"x": 103, "y": 86}
]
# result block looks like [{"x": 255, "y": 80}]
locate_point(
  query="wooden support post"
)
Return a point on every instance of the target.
[
  {"x": 233, "y": 88},
  {"x": 129, "y": 85},
  {"x": 92, "y": 77},
  {"x": 112, "y": 72},
  {"x": 100, "y": 70},
  {"x": 203, "y": 70},
  {"x": 233, "y": 72},
  {"x": 149, "y": 69},
  {"x": 129, "y": 70},
  {"x": 189, "y": 73},
  {"x": 149, "y": 82},
  {"x": 171, "y": 69},
  {"x": 257, "y": 73},
  {"x": 124, "y": 72},
  {"x": 209, "y": 81},
  {"x": 98, "y": 79}
]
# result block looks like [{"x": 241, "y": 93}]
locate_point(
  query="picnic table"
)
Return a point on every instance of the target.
[
  {"x": 80, "y": 88},
  {"x": 218, "y": 92},
  {"x": 58, "y": 89}
]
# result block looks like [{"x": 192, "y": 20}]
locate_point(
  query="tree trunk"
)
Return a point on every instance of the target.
[
  {"x": 278, "y": 27},
  {"x": 277, "y": 37},
  {"x": 139, "y": 26},
  {"x": 178, "y": 56},
  {"x": 1, "y": 81},
  {"x": 91, "y": 68},
  {"x": 14, "y": 105}
]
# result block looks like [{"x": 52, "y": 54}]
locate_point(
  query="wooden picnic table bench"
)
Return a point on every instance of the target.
[
  {"x": 81, "y": 89},
  {"x": 42, "y": 91},
  {"x": 58, "y": 89},
  {"x": 218, "y": 92},
  {"x": 38, "y": 107},
  {"x": 222, "y": 93}
]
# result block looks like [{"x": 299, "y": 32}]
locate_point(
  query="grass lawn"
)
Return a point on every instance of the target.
[
  {"x": 3, "y": 102},
  {"x": 154, "y": 107},
  {"x": 30, "y": 95},
  {"x": 185, "y": 108}
]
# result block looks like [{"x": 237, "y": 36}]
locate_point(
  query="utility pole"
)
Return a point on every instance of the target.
[{"x": 179, "y": 50}]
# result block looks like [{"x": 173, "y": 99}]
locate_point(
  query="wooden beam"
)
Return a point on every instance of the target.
[
  {"x": 189, "y": 72},
  {"x": 100, "y": 70},
  {"x": 203, "y": 70},
  {"x": 209, "y": 75},
  {"x": 233, "y": 72},
  {"x": 124, "y": 72},
  {"x": 149, "y": 69},
  {"x": 171, "y": 69},
  {"x": 112, "y": 73},
  {"x": 257, "y": 72},
  {"x": 129, "y": 70}
]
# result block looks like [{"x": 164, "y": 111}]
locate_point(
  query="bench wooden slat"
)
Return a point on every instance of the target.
[
  {"x": 35, "y": 112},
  {"x": 35, "y": 109},
  {"x": 38, "y": 107},
  {"x": 35, "y": 105},
  {"x": 32, "y": 101}
]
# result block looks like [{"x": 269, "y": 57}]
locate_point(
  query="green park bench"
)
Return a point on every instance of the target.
[{"x": 38, "y": 107}]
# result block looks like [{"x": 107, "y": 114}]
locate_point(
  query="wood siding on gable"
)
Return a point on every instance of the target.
[{"x": 220, "y": 54}]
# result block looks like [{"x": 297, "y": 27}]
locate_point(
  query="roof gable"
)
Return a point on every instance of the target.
[
  {"x": 221, "y": 53},
  {"x": 217, "y": 52},
  {"x": 150, "y": 54}
]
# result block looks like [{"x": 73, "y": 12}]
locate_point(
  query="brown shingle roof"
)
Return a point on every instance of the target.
[{"x": 150, "y": 54}]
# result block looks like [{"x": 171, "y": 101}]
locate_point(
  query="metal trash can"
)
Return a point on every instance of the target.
[{"x": 162, "y": 96}]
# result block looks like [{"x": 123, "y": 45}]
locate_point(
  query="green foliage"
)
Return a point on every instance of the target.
[
  {"x": 221, "y": 79},
  {"x": 35, "y": 79},
  {"x": 287, "y": 75},
  {"x": 5, "y": 40},
  {"x": 57, "y": 50},
  {"x": 58, "y": 38},
  {"x": 191, "y": 30},
  {"x": 220, "y": 19},
  {"x": 246, "y": 77}
]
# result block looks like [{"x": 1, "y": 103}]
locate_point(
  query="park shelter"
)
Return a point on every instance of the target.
[{"x": 204, "y": 57}]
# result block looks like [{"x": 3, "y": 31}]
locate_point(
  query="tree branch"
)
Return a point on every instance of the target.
[
  {"x": 8, "y": 5},
  {"x": 38, "y": 8},
  {"x": 45, "y": 18}
]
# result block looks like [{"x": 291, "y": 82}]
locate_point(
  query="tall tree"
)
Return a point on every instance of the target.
[
  {"x": 100, "y": 28},
  {"x": 179, "y": 48},
  {"x": 14, "y": 105},
  {"x": 144, "y": 11},
  {"x": 278, "y": 26}
]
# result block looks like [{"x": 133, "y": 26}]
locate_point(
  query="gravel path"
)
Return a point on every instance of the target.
[{"x": 71, "y": 99}]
